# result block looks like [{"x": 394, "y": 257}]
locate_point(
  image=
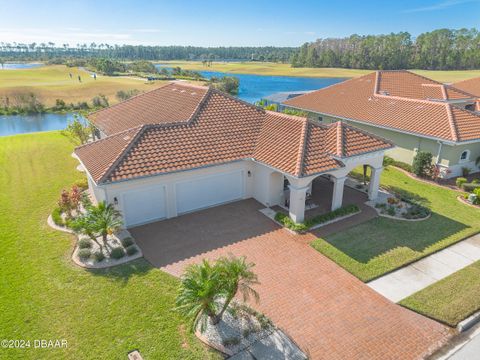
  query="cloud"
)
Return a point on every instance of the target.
[
  {"x": 439, "y": 6},
  {"x": 148, "y": 31}
]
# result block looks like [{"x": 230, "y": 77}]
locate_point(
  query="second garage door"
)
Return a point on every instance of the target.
[{"x": 209, "y": 191}]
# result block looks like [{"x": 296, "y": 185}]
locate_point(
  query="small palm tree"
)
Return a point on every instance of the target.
[
  {"x": 105, "y": 219},
  {"x": 207, "y": 290},
  {"x": 238, "y": 276},
  {"x": 83, "y": 225},
  {"x": 200, "y": 293}
]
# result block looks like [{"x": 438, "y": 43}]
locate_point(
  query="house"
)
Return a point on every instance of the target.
[
  {"x": 181, "y": 148},
  {"x": 279, "y": 98},
  {"x": 414, "y": 112},
  {"x": 472, "y": 86}
]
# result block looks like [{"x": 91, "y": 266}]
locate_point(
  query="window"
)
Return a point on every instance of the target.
[
  {"x": 465, "y": 156},
  {"x": 320, "y": 119},
  {"x": 470, "y": 107}
]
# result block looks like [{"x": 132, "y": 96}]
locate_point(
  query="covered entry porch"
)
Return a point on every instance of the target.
[{"x": 309, "y": 196}]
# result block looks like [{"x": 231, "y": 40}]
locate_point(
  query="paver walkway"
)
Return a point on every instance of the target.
[
  {"x": 326, "y": 310},
  {"x": 422, "y": 273}
]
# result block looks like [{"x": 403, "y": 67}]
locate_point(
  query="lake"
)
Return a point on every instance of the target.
[
  {"x": 254, "y": 87},
  {"x": 21, "y": 124},
  {"x": 11, "y": 66}
]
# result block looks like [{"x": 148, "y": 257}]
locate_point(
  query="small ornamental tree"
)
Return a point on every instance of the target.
[
  {"x": 65, "y": 204},
  {"x": 422, "y": 163},
  {"x": 75, "y": 198},
  {"x": 206, "y": 290}
]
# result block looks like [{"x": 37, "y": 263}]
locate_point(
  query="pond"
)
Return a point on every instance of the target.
[
  {"x": 15, "y": 66},
  {"x": 255, "y": 87},
  {"x": 21, "y": 124}
]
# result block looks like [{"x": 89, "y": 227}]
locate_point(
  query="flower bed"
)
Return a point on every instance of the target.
[
  {"x": 395, "y": 207},
  {"x": 321, "y": 219}
]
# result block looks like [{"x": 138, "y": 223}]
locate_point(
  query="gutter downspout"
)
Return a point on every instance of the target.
[{"x": 439, "y": 152}]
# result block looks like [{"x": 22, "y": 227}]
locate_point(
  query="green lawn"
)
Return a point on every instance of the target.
[
  {"x": 102, "y": 314},
  {"x": 269, "y": 68},
  {"x": 381, "y": 245},
  {"x": 451, "y": 299}
]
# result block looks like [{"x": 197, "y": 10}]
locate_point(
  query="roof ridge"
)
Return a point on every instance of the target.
[
  {"x": 451, "y": 122},
  {"x": 122, "y": 153},
  {"x": 339, "y": 138},
  {"x": 106, "y": 138},
  {"x": 444, "y": 92},
  {"x": 377, "y": 83},
  {"x": 231, "y": 97},
  {"x": 366, "y": 133},
  {"x": 393, "y": 97},
  {"x": 301, "y": 149}
]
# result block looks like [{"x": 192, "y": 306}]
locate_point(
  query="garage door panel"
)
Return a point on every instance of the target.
[
  {"x": 209, "y": 191},
  {"x": 141, "y": 206}
]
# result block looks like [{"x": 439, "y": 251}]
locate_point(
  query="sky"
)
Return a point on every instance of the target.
[{"x": 225, "y": 22}]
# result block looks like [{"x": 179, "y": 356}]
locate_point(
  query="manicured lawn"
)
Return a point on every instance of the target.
[
  {"x": 380, "y": 245},
  {"x": 267, "y": 68},
  {"x": 451, "y": 299},
  {"x": 53, "y": 82},
  {"x": 102, "y": 314}
]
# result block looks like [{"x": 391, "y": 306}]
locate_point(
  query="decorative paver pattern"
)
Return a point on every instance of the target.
[{"x": 327, "y": 311}]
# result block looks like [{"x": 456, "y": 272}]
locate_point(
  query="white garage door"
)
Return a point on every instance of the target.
[
  {"x": 145, "y": 205},
  {"x": 208, "y": 191}
]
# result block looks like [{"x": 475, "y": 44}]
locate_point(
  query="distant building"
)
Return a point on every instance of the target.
[{"x": 280, "y": 97}]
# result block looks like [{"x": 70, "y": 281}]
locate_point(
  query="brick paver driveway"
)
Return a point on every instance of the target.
[{"x": 330, "y": 313}]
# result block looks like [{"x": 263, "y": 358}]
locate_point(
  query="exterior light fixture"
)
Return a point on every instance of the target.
[
  {"x": 115, "y": 200},
  {"x": 249, "y": 173}
]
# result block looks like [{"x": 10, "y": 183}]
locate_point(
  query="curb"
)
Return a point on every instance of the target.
[{"x": 468, "y": 322}]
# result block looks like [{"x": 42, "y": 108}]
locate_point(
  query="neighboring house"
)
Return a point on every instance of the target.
[
  {"x": 181, "y": 148},
  {"x": 279, "y": 98},
  {"x": 414, "y": 112},
  {"x": 472, "y": 86}
]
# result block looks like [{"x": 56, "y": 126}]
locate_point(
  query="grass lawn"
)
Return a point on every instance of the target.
[
  {"x": 53, "y": 82},
  {"x": 267, "y": 68},
  {"x": 375, "y": 247},
  {"x": 451, "y": 299},
  {"x": 102, "y": 313}
]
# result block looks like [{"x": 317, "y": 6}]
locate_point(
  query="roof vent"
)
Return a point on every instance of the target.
[
  {"x": 383, "y": 92},
  {"x": 126, "y": 137},
  {"x": 174, "y": 89},
  {"x": 182, "y": 91},
  {"x": 193, "y": 93}
]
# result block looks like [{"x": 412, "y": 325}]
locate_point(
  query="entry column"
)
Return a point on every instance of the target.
[
  {"x": 374, "y": 183},
  {"x": 297, "y": 203},
  {"x": 337, "y": 198}
]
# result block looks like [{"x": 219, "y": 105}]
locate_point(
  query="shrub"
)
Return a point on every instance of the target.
[
  {"x": 126, "y": 242},
  {"x": 98, "y": 256},
  {"x": 117, "y": 253},
  {"x": 84, "y": 254},
  {"x": 422, "y": 163},
  {"x": 475, "y": 181},
  {"x": 469, "y": 187},
  {"x": 286, "y": 221},
  {"x": 476, "y": 192},
  {"x": 391, "y": 210},
  {"x": 387, "y": 160},
  {"x": 404, "y": 166},
  {"x": 465, "y": 171},
  {"x": 460, "y": 181},
  {"x": 57, "y": 217},
  {"x": 131, "y": 250},
  {"x": 82, "y": 184},
  {"x": 416, "y": 212},
  {"x": 231, "y": 341},
  {"x": 84, "y": 244}
]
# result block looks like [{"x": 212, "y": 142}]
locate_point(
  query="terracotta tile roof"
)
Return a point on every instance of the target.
[
  {"x": 471, "y": 86},
  {"x": 171, "y": 103},
  {"x": 224, "y": 129},
  {"x": 396, "y": 100}
]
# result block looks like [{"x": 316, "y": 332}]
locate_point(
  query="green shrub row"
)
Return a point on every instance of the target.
[
  {"x": 402, "y": 165},
  {"x": 470, "y": 187},
  {"x": 286, "y": 221},
  {"x": 57, "y": 217}
]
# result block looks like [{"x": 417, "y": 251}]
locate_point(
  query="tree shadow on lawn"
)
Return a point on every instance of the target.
[
  {"x": 380, "y": 236},
  {"x": 124, "y": 272}
]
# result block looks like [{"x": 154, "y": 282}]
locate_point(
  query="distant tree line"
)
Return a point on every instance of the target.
[
  {"x": 442, "y": 49},
  {"x": 50, "y": 50}
]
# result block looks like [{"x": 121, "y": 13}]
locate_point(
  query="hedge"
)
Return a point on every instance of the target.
[
  {"x": 57, "y": 217},
  {"x": 469, "y": 187},
  {"x": 286, "y": 221}
]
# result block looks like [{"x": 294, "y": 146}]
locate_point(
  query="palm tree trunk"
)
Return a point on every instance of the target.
[{"x": 104, "y": 239}]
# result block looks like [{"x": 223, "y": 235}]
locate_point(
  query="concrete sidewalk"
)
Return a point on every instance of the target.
[{"x": 420, "y": 274}]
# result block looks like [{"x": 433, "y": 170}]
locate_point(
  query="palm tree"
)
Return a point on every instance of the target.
[
  {"x": 83, "y": 225},
  {"x": 238, "y": 277},
  {"x": 200, "y": 293},
  {"x": 106, "y": 220},
  {"x": 207, "y": 290}
]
